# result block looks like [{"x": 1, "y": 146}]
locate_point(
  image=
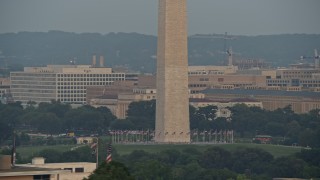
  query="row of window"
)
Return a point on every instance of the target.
[
  {"x": 34, "y": 82},
  {"x": 72, "y": 99},
  {"x": 278, "y": 81},
  {"x": 68, "y": 85},
  {"x": 298, "y": 72},
  {"x": 197, "y": 85},
  {"x": 92, "y": 79},
  {"x": 289, "y": 77},
  {"x": 23, "y": 74},
  {"x": 25, "y": 86},
  {"x": 92, "y": 75},
  {"x": 71, "y": 95},
  {"x": 71, "y": 87},
  {"x": 75, "y": 91},
  {"x": 26, "y": 78},
  {"x": 204, "y": 79}
]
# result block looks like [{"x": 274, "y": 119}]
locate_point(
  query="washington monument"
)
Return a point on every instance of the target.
[{"x": 172, "y": 111}]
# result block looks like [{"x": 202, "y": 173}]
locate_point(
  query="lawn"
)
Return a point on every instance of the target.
[
  {"x": 27, "y": 151},
  {"x": 275, "y": 150}
]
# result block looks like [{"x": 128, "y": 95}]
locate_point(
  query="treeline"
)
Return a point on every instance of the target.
[
  {"x": 283, "y": 124},
  {"x": 55, "y": 117},
  {"x": 137, "y": 51},
  {"x": 218, "y": 163},
  {"x": 190, "y": 163}
]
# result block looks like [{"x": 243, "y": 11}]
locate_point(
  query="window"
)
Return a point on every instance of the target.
[
  {"x": 41, "y": 177},
  {"x": 77, "y": 170}
]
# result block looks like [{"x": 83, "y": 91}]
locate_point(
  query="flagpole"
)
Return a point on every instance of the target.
[
  {"x": 97, "y": 153},
  {"x": 13, "y": 155}
]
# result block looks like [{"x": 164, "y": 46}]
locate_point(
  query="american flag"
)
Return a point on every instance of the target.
[
  {"x": 94, "y": 148},
  {"x": 109, "y": 154}
]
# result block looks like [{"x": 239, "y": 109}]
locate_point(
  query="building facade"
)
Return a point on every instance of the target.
[
  {"x": 74, "y": 170},
  {"x": 64, "y": 83},
  {"x": 300, "y": 101}
]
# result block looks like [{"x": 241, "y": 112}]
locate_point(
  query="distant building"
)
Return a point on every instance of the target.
[
  {"x": 304, "y": 78},
  {"x": 4, "y": 89},
  {"x": 84, "y": 84},
  {"x": 213, "y": 70},
  {"x": 84, "y": 140},
  {"x": 224, "y": 105},
  {"x": 300, "y": 101},
  {"x": 64, "y": 83},
  {"x": 118, "y": 104}
]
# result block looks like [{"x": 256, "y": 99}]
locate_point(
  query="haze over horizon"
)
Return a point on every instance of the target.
[{"x": 245, "y": 17}]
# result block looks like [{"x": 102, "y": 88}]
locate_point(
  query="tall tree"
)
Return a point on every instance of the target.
[
  {"x": 112, "y": 170},
  {"x": 142, "y": 114}
]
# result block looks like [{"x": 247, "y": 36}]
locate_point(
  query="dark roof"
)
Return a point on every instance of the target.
[
  {"x": 223, "y": 101},
  {"x": 263, "y": 92}
]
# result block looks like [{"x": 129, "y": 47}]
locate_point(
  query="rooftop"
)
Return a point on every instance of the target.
[
  {"x": 23, "y": 171},
  {"x": 253, "y": 92}
]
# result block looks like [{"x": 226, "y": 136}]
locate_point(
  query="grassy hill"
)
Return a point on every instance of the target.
[{"x": 275, "y": 150}]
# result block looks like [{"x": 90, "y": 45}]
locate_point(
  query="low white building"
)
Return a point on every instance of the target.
[
  {"x": 84, "y": 140},
  {"x": 77, "y": 170}
]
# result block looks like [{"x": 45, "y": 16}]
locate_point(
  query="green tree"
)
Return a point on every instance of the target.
[
  {"x": 151, "y": 169},
  {"x": 87, "y": 118},
  {"x": 49, "y": 123},
  {"x": 24, "y": 138},
  {"x": 51, "y": 155},
  {"x": 55, "y": 107},
  {"x": 289, "y": 167},
  {"x": 122, "y": 124},
  {"x": 215, "y": 157},
  {"x": 113, "y": 170},
  {"x": 142, "y": 114},
  {"x": 10, "y": 114},
  {"x": 5, "y": 132},
  {"x": 252, "y": 159}
]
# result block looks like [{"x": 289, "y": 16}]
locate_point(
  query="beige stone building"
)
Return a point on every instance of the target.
[
  {"x": 271, "y": 97},
  {"x": 17, "y": 172},
  {"x": 223, "y": 105},
  {"x": 72, "y": 170},
  {"x": 300, "y": 101},
  {"x": 213, "y": 70},
  {"x": 119, "y": 104},
  {"x": 84, "y": 140}
]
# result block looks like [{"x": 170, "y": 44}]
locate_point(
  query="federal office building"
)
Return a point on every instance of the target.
[{"x": 64, "y": 83}]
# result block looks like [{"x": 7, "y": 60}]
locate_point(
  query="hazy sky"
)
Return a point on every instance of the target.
[{"x": 238, "y": 17}]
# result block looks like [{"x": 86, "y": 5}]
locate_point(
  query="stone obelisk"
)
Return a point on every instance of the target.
[{"x": 172, "y": 111}]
